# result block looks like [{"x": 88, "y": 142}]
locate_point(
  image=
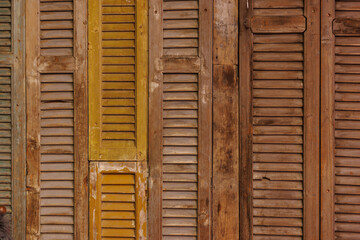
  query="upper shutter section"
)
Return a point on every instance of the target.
[
  {"x": 117, "y": 77},
  {"x": 5, "y": 25},
  {"x": 181, "y": 28}
]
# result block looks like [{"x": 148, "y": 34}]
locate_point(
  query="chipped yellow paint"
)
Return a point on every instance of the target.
[
  {"x": 118, "y": 200},
  {"x": 118, "y": 76}
]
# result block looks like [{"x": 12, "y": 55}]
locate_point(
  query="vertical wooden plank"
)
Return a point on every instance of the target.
[
  {"x": 33, "y": 120},
  {"x": 245, "y": 70},
  {"x": 225, "y": 121},
  {"x": 311, "y": 120},
  {"x": 19, "y": 122},
  {"x": 155, "y": 119},
  {"x": 81, "y": 121},
  {"x": 205, "y": 119},
  {"x": 327, "y": 119}
]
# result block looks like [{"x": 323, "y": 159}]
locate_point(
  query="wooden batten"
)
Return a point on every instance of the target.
[{"x": 225, "y": 121}]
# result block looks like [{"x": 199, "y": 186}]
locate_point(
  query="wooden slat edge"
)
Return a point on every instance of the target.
[
  {"x": 33, "y": 121},
  {"x": 245, "y": 171},
  {"x": 19, "y": 122},
  {"x": 155, "y": 121},
  {"x": 81, "y": 122},
  {"x": 205, "y": 119},
  {"x": 225, "y": 120},
  {"x": 327, "y": 120},
  {"x": 312, "y": 120}
]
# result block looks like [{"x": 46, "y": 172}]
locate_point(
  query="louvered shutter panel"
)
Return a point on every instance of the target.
[
  {"x": 117, "y": 77},
  {"x": 57, "y": 122},
  {"x": 12, "y": 114},
  {"x": 117, "y": 202},
  {"x": 277, "y": 82},
  {"x": 180, "y": 119},
  {"x": 341, "y": 78}
]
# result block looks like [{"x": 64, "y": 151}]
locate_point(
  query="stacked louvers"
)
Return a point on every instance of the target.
[
  {"x": 56, "y": 66},
  {"x": 277, "y": 100},
  {"x": 347, "y": 124},
  {"x": 118, "y": 130},
  {"x": 180, "y": 118}
]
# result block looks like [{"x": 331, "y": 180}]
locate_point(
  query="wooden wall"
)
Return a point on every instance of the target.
[{"x": 194, "y": 119}]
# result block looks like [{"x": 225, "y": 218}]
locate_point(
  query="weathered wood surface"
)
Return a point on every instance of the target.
[
  {"x": 225, "y": 122},
  {"x": 346, "y": 26},
  {"x": 180, "y": 119},
  {"x": 327, "y": 120},
  {"x": 245, "y": 76},
  {"x": 311, "y": 147},
  {"x": 57, "y": 121},
  {"x": 278, "y": 24},
  {"x": 18, "y": 121}
]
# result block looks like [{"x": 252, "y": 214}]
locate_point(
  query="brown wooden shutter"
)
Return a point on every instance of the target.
[
  {"x": 57, "y": 120},
  {"x": 118, "y": 202},
  {"x": 279, "y": 83},
  {"x": 118, "y": 80},
  {"x": 12, "y": 113},
  {"x": 180, "y": 119},
  {"x": 341, "y": 131}
]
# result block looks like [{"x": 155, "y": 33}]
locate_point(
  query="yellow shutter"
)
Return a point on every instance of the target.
[
  {"x": 117, "y": 79},
  {"x": 117, "y": 201}
]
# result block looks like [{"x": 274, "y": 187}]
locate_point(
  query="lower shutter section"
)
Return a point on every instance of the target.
[
  {"x": 180, "y": 156},
  {"x": 57, "y": 156},
  {"x": 5, "y": 138},
  {"x": 117, "y": 201}
]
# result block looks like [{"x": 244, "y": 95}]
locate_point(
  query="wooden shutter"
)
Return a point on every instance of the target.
[
  {"x": 279, "y": 83},
  {"x": 118, "y": 79},
  {"x": 57, "y": 120},
  {"x": 180, "y": 119},
  {"x": 341, "y": 131},
  {"x": 12, "y": 113},
  {"x": 118, "y": 202}
]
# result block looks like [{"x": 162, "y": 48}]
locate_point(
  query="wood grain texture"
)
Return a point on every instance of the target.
[
  {"x": 346, "y": 26},
  {"x": 19, "y": 125},
  {"x": 33, "y": 123},
  {"x": 81, "y": 179},
  {"x": 278, "y": 24},
  {"x": 226, "y": 152},
  {"x": 225, "y": 122},
  {"x": 312, "y": 121},
  {"x": 245, "y": 76}
]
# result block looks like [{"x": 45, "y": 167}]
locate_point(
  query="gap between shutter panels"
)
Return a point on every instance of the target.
[
  {"x": 347, "y": 82},
  {"x": 277, "y": 85}
]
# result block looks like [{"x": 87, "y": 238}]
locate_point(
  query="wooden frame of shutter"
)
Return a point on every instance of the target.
[
  {"x": 311, "y": 153},
  {"x": 76, "y": 65},
  {"x": 15, "y": 59},
  {"x": 97, "y": 150},
  {"x": 97, "y": 170},
  {"x": 161, "y": 64}
]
